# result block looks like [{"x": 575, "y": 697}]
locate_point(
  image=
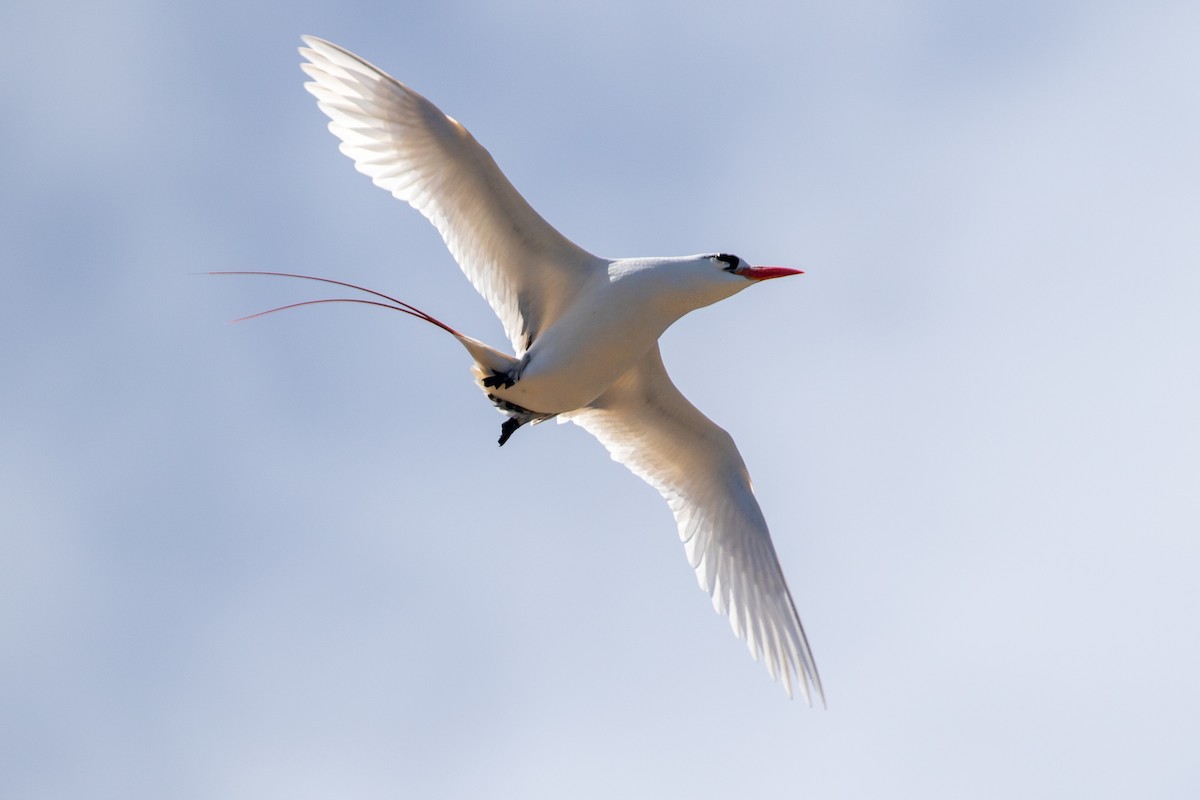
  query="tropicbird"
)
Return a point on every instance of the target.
[{"x": 584, "y": 332}]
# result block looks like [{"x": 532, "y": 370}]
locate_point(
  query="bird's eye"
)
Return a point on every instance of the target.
[{"x": 731, "y": 261}]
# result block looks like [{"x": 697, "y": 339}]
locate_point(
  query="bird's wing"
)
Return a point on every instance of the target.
[
  {"x": 651, "y": 428},
  {"x": 523, "y": 267}
]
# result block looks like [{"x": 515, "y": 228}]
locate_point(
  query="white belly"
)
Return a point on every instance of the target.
[{"x": 579, "y": 356}]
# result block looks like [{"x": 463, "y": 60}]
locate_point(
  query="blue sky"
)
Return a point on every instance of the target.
[{"x": 286, "y": 558}]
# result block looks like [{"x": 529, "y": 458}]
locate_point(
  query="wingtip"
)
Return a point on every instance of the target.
[
  {"x": 316, "y": 46},
  {"x": 805, "y": 676},
  {"x": 809, "y": 692}
]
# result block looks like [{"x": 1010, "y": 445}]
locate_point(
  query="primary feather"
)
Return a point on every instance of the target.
[{"x": 524, "y": 268}]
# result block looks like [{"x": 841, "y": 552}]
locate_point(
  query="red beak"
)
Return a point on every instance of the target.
[{"x": 763, "y": 273}]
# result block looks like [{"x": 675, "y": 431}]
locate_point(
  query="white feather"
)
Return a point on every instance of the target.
[
  {"x": 526, "y": 270},
  {"x": 650, "y": 427}
]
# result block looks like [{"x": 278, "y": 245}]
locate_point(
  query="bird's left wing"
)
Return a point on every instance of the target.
[
  {"x": 650, "y": 427},
  {"x": 526, "y": 270}
]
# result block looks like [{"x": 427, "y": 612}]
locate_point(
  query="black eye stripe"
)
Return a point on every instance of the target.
[{"x": 732, "y": 261}]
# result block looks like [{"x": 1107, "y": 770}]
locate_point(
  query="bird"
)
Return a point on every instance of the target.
[{"x": 584, "y": 332}]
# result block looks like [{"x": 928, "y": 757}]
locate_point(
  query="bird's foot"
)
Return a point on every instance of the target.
[
  {"x": 504, "y": 379},
  {"x": 508, "y": 429},
  {"x": 517, "y": 416}
]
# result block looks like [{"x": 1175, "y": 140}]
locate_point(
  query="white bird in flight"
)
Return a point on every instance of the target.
[{"x": 585, "y": 332}]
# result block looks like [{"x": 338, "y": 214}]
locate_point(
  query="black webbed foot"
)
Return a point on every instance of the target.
[
  {"x": 508, "y": 429},
  {"x": 504, "y": 379}
]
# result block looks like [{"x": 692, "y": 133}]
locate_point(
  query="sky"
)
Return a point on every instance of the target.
[{"x": 285, "y": 558}]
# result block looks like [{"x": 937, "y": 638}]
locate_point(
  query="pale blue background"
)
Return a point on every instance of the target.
[{"x": 285, "y": 559}]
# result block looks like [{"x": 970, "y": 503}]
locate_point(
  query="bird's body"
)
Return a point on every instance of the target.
[
  {"x": 585, "y": 332},
  {"x": 617, "y": 315}
]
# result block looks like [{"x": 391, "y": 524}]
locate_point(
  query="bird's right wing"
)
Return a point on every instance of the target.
[
  {"x": 526, "y": 270},
  {"x": 650, "y": 427}
]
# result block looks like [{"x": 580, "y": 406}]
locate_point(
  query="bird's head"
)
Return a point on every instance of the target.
[
  {"x": 715, "y": 276},
  {"x": 735, "y": 266}
]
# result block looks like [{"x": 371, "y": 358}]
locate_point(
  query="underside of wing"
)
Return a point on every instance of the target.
[
  {"x": 526, "y": 270},
  {"x": 650, "y": 427}
]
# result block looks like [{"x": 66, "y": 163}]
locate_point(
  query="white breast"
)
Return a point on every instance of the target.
[{"x": 609, "y": 327}]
